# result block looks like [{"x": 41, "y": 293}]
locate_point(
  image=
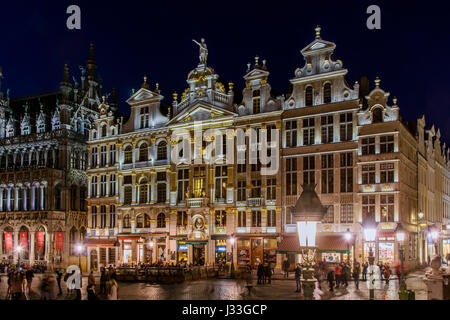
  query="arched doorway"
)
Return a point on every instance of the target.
[
  {"x": 39, "y": 249},
  {"x": 24, "y": 243}
]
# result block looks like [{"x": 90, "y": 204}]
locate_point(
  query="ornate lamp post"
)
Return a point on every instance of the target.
[
  {"x": 370, "y": 232},
  {"x": 308, "y": 213},
  {"x": 232, "y": 240},
  {"x": 348, "y": 237},
  {"x": 401, "y": 240}
]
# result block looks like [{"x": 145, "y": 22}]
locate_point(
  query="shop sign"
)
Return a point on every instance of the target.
[
  {"x": 183, "y": 247},
  {"x": 221, "y": 249}
]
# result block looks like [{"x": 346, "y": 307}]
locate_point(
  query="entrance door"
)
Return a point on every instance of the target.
[
  {"x": 257, "y": 252},
  {"x": 94, "y": 260},
  {"x": 199, "y": 255},
  {"x": 127, "y": 256}
]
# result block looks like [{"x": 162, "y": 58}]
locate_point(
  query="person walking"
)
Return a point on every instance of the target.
[
  {"x": 17, "y": 286},
  {"x": 103, "y": 281},
  {"x": 298, "y": 275},
  {"x": 387, "y": 273},
  {"x": 331, "y": 278},
  {"x": 260, "y": 273},
  {"x": 59, "y": 275},
  {"x": 345, "y": 274},
  {"x": 338, "y": 274},
  {"x": 364, "y": 271},
  {"x": 267, "y": 274},
  {"x": 91, "y": 292},
  {"x": 91, "y": 278},
  {"x": 45, "y": 288},
  {"x": 114, "y": 290},
  {"x": 286, "y": 266},
  {"x": 29, "y": 275},
  {"x": 356, "y": 272}
]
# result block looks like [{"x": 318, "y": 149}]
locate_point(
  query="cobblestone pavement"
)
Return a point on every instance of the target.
[{"x": 226, "y": 289}]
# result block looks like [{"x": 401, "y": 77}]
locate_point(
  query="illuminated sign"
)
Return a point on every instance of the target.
[
  {"x": 183, "y": 247},
  {"x": 221, "y": 249}
]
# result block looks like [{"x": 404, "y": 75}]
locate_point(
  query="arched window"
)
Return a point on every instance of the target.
[
  {"x": 104, "y": 131},
  {"x": 161, "y": 220},
  {"x": 327, "y": 93},
  {"x": 24, "y": 242},
  {"x": 377, "y": 115},
  {"x": 309, "y": 96},
  {"x": 143, "y": 152},
  {"x": 33, "y": 158},
  {"x": 128, "y": 154},
  {"x": 143, "y": 191},
  {"x": 126, "y": 221},
  {"x": 26, "y": 159},
  {"x": 11, "y": 199},
  {"x": 162, "y": 151}
]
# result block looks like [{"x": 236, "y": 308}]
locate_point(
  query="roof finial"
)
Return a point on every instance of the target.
[
  {"x": 145, "y": 84},
  {"x": 132, "y": 91},
  {"x": 318, "y": 28},
  {"x": 248, "y": 66},
  {"x": 175, "y": 96},
  {"x": 377, "y": 82},
  {"x": 395, "y": 101},
  {"x": 168, "y": 113},
  {"x": 104, "y": 99},
  {"x": 256, "y": 60},
  {"x": 157, "y": 86}
]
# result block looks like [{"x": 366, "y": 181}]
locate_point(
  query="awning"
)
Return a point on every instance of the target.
[{"x": 290, "y": 244}]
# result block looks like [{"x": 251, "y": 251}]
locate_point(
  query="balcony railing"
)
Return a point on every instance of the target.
[
  {"x": 255, "y": 202},
  {"x": 195, "y": 202}
]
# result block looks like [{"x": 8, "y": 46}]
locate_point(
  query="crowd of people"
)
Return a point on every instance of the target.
[{"x": 37, "y": 267}]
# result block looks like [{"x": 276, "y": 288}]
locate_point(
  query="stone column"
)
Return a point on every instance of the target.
[
  {"x": 16, "y": 244},
  {"x": 16, "y": 198},
  {"x": 89, "y": 186},
  {"x": 32, "y": 245},
  {"x": 153, "y": 183},
  {"x": 42, "y": 197},
  {"x": 108, "y": 156},
  {"x": 98, "y": 157},
  {"x": 107, "y": 184},
  {"x": 1, "y": 243},
  {"x": 133, "y": 188}
]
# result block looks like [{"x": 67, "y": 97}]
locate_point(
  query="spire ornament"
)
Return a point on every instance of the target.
[
  {"x": 318, "y": 29},
  {"x": 377, "y": 82},
  {"x": 203, "y": 54}
]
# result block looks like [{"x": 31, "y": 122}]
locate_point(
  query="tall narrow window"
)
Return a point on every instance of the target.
[
  {"x": 309, "y": 96},
  {"x": 127, "y": 198},
  {"x": 103, "y": 217},
  {"x": 103, "y": 156},
  {"x": 271, "y": 218},
  {"x": 291, "y": 176},
  {"x": 242, "y": 219},
  {"x": 221, "y": 179},
  {"x": 103, "y": 185},
  {"x": 143, "y": 152},
  {"x": 182, "y": 219},
  {"x": 387, "y": 172},
  {"x": 377, "y": 115},
  {"x": 346, "y": 213},
  {"x": 308, "y": 131},
  {"x": 112, "y": 154},
  {"x": 112, "y": 184},
  {"x": 256, "y": 188},
  {"x": 144, "y": 117},
  {"x": 126, "y": 221},
  {"x": 241, "y": 191},
  {"x": 291, "y": 133},
  {"x": 220, "y": 218},
  {"x": 327, "y": 93},
  {"x": 327, "y": 128},
  {"x": 94, "y": 217},
  {"x": 368, "y": 208},
  {"x": 143, "y": 191},
  {"x": 271, "y": 189},
  {"x": 387, "y": 208},
  {"x": 183, "y": 183},
  {"x": 162, "y": 151},
  {"x": 161, "y": 192},
  {"x": 161, "y": 220},
  {"x": 94, "y": 157},
  {"x": 346, "y": 126},
  {"x": 199, "y": 181},
  {"x": 329, "y": 215},
  {"x": 94, "y": 186},
  {"x": 327, "y": 173},
  {"x": 368, "y": 174},
  {"x": 309, "y": 167},
  {"x": 128, "y": 156},
  {"x": 256, "y": 102},
  {"x": 112, "y": 216},
  {"x": 346, "y": 172},
  {"x": 256, "y": 219}
]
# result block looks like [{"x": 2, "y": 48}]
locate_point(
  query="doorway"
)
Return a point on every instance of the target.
[
  {"x": 257, "y": 252},
  {"x": 94, "y": 260},
  {"x": 199, "y": 255}
]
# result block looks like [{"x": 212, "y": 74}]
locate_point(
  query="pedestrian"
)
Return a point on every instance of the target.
[
  {"x": 267, "y": 274},
  {"x": 260, "y": 273},
  {"x": 286, "y": 266},
  {"x": 331, "y": 279},
  {"x": 103, "y": 281},
  {"x": 364, "y": 271},
  {"x": 387, "y": 273},
  {"x": 345, "y": 274},
  {"x": 114, "y": 290},
  {"x": 45, "y": 288},
  {"x": 17, "y": 286},
  {"x": 338, "y": 274},
  {"x": 91, "y": 292},
  {"x": 356, "y": 272},
  {"x": 381, "y": 268},
  {"x": 59, "y": 274},
  {"x": 91, "y": 278},
  {"x": 29, "y": 275},
  {"x": 298, "y": 275}
]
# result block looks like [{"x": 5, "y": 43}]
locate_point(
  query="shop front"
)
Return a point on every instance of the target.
[
  {"x": 256, "y": 250},
  {"x": 182, "y": 251},
  {"x": 198, "y": 249},
  {"x": 221, "y": 251}
]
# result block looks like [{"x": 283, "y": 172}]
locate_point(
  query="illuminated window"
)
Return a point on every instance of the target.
[
  {"x": 308, "y": 131},
  {"x": 327, "y": 173},
  {"x": 387, "y": 172},
  {"x": 368, "y": 174},
  {"x": 220, "y": 218},
  {"x": 346, "y": 172},
  {"x": 368, "y": 208},
  {"x": 291, "y": 176},
  {"x": 291, "y": 133},
  {"x": 387, "y": 208}
]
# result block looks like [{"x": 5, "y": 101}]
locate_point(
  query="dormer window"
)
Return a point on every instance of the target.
[
  {"x": 144, "y": 115},
  {"x": 309, "y": 96},
  {"x": 56, "y": 125},
  {"x": 327, "y": 93},
  {"x": 41, "y": 128},
  {"x": 10, "y": 132},
  {"x": 104, "y": 131},
  {"x": 256, "y": 101},
  {"x": 377, "y": 115},
  {"x": 25, "y": 130}
]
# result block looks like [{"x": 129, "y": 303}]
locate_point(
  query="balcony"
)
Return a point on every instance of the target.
[
  {"x": 181, "y": 230},
  {"x": 195, "y": 202},
  {"x": 220, "y": 230},
  {"x": 255, "y": 202}
]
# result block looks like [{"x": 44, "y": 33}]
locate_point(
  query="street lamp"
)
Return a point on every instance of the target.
[
  {"x": 18, "y": 250},
  {"x": 401, "y": 240},
  {"x": 370, "y": 235},
  {"x": 348, "y": 237},
  {"x": 232, "y": 240},
  {"x": 79, "y": 250}
]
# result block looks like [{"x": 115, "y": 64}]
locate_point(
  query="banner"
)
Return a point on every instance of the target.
[
  {"x": 40, "y": 241},
  {"x": 59, "y": 245},
  {"x": 8, "y": 241},
  {"x": 23, "y": 240}
]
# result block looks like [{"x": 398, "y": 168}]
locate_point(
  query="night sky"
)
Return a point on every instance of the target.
[{"x": 135, "y": 38}]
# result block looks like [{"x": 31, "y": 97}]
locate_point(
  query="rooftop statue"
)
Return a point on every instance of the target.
[{"x": 203, "y": 51}]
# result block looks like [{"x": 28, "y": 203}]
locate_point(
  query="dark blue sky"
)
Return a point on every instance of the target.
[{"x": 136, "y": 38}]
